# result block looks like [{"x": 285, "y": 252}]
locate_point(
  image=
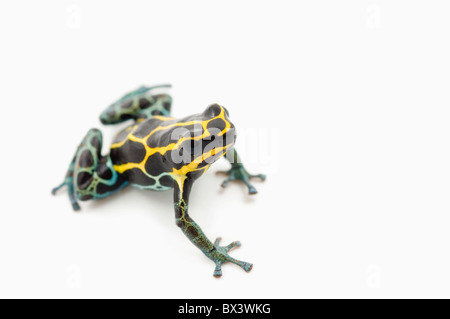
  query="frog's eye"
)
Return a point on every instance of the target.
[{"x": 213, "y": 110}]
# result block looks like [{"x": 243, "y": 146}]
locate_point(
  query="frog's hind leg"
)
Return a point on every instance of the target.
[
  {"x": 91, "y": 175},
  {"x": 138, "y": 105},
  {"x": 68, "y": 180}
]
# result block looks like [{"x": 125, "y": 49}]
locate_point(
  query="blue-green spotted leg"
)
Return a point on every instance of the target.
[
  {"x": 143, "y": 89},
  {"x": 218, "y": 254},
  {"x": 91, "y": 175},
  {"x": 68, "y": 181},
  {"x": 138, "y": 105},
  {"x": 238, "y": 172}
]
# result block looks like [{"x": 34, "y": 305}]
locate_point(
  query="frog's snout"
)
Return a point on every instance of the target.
[
  {"x": 230, "y": 136},
  {"x": 221, "y": 133}
]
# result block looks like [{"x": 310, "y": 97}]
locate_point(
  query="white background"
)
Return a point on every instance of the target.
[{"x": 344, "y": 104}]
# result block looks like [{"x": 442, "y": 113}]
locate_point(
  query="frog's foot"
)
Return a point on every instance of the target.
[
  {"x": 240, "y": 173},
  {"x": 220, "y": 257},
  {"x": 57, "y": 188},
  {"x": 71, "y": 191}
]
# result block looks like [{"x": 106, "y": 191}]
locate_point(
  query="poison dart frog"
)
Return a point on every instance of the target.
[{"x": 159, "y": 152}]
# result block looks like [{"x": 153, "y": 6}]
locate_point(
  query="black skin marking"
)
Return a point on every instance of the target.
[
  {"x": 218, "y": 124},
  {"x": 96, "y": 143},
  {"x": 127, "y": 104},
  {"x": 166, "y": 181},
  {"x": 104, "y": 172},
  {"x": 122, "y": 135},
  {"x": 111, "y": 114},
  {"x": 144, "y": 103},
  {"x": 126, "y": 116},
  {"x": 139, "y": 177},
  {"x": 164, "y": 135},
  {"x": 153, "y": 164},
  {"x": 136, "y": 152},
  {"x": 146, "y": 127},
  {"x": 85, "y": 197},
  {"x": 103, "y": 188},
  {"x": 86, "y": 159},
  {"x": 84, "y": 179}
]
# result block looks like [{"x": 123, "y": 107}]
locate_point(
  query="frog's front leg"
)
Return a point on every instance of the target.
[
  {"x": 218, "y": 254},
  {"x": 238, "y": 172}
]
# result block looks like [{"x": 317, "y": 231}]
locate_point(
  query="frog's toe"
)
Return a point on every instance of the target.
[
  {"x": 252, "y": 190},
  {"x": 244, "y": 265},
  {"x": 225, "y": 182},
  {"x": 233, "y": 245},
  {"x": 236, "y": 243},
  {"x": 260, "y": 176},
  {"x": 75, "y": 206},
  {"x": 71, "y": 193},
  {"x": 57, "y": 188},
  {"x": 218, "y": 271}
]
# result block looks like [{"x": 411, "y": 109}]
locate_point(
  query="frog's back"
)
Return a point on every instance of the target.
[{"x": 135, "y": 153}]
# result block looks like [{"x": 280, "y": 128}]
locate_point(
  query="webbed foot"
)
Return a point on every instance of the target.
[
  {"x": 57, "y": 188},
  {"x": 238, "y": 172},
  {"x": 220, "y": 257}
]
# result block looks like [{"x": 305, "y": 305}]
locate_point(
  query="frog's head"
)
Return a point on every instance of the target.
[
  {"x": 219, "y": 134},
  {"x": 205, "y": 137}
]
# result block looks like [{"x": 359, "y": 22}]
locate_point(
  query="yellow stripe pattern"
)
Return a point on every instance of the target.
[{"x": 177, "y": 174}]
